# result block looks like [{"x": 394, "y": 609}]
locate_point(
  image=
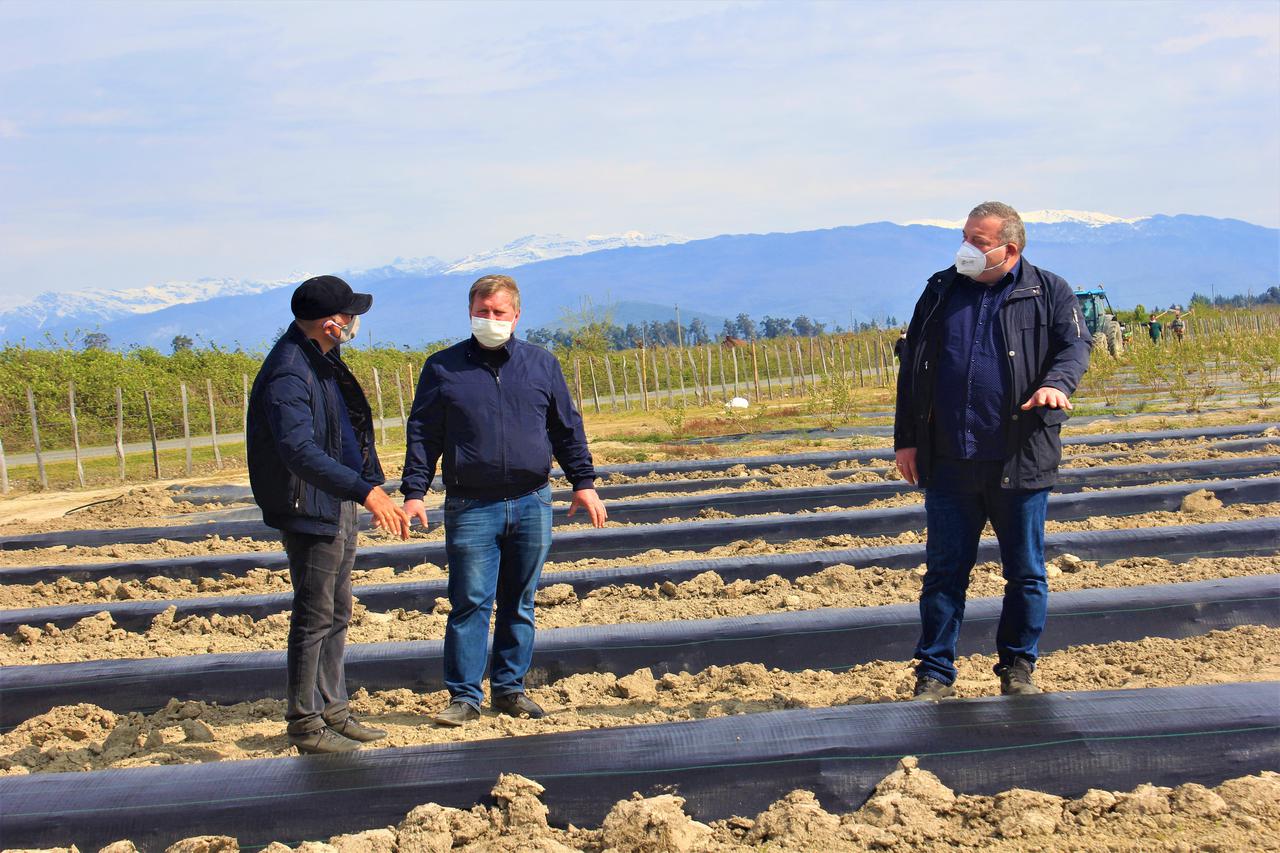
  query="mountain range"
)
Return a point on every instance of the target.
[{"x": 833, "y": 275}]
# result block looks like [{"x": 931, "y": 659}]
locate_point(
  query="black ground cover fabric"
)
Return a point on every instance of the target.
[
  {"x": 1062, "y": 743},
  {"x": 684, "y": 535},
  {"x": 1176, "y": 543},
  {"x": 827, "y": 638}
]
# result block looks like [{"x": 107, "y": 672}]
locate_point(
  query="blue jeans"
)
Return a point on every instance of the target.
[
  {"x": 320, "y": 570},
  {"x": 496, "y": 549},
  {"x": 961, "y": 497}
]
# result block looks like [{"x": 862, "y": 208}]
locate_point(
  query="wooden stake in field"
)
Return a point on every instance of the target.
[
  {"x": 75, "y": 431},
  {"x": 755, "y": 372},
  {"x": 120, "y": 431},
  {"x": 186, "y": 425},
  {"x": 644, "y": 390},
  {"x": 724, "y": 386},
  {"x": 244, "y": 413},
  {"x": 151, "y": 431},
  {"x": 35, "y": 438},
  {"x": 734, "y": 353},
  {"x": 626, "y": 393},
  {"x": 4, "y": 472},
  {"x": 595, "y": 394},
  {"x": 404, "y": 419},
  {"x": 613, "y": 391},
  {"x": 213, "y": 424},
  {"x": 577, "y": 382},
  {"x": 377, "y": 396}
]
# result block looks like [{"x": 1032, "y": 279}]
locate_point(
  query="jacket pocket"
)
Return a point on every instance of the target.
[{"x": 1053, "y": 417}]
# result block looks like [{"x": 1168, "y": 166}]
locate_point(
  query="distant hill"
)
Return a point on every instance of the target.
[{"x": 833, "y": 275}]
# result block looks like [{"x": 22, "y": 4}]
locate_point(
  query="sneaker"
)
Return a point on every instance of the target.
[
  {"x": 457, "y": 713},
  {"x": 518, "y": 705},
  {"x": 1015, "y": 678},
  {"x": 358, "y": 731},
  {"x": 323, "y": 742},
  {"x": 929, "y": 689}
]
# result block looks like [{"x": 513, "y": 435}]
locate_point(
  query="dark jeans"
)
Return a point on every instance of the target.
[
  {"x": 960, "y": 499},
  {"x": 496, "y": 549},
  {"x": 320, "y": 569}
]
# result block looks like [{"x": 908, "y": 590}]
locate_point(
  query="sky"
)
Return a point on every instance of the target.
[{"x": 148, "y": 142}]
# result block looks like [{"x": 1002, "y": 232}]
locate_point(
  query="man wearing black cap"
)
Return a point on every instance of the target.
[{"x": 311, "y": 464}]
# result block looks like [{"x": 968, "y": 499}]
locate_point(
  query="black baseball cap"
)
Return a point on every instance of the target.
[{"x": 326, "y": 295}]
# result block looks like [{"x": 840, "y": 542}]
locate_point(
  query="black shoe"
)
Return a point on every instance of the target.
[
  {"x": 358, "y": 731},
  {"x": 323, "y": 742},
  {"x": 518, "y": 705},
  {"x": 931, "y": 689},
  {"x": 1015, "y": 678},
  {"x": 457, "y": 713}
]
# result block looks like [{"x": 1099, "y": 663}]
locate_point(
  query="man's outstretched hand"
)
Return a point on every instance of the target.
[
  {"x": 590, "y": 501},
  {"x": 1046, "y": 396},
  {"x": 386, "y": 514},
  {"x": 415, "y": 508}
]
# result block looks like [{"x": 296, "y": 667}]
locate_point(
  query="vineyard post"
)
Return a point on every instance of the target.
[
  {"x": 75, "y": 431},
  {"x": 755, "y": 370},
  {"x": 577, "y": 382},
  {"x": 644, "y": 389},
  {"x": 768, "y": 371},
  {"x": 626, "y": 392},
  {"x": 666, "y": 357},
  {"x": 151, "y": 431},
  {"x": 4, "y": 472},
  {"x": 800, "y": 363},
  {"x": 186, "y": 425},
  {"x": 377, "y": 396},
  {"x": 680, "y": 373},
  {"x": 791, "y": 368},
  {"x": 697, "y": 381},
  {"x": 213, "y": 424},
  {"x": 244, "y": 412},
  {"x": 120, "y": 430},
  {"x": 657, "y": 398},
  {"x": 724, "y": 386},
  {"x": 706, "y": 385},
  {"x": 404, "y": 420},
  {"x": 595, "y": 394},
  {"x": 613, "y": 391},
  {"x": 35, "y": 438}
]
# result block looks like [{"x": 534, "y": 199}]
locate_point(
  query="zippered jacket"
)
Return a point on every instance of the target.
[
  {"x": 1048, "y": 345},
  {"x": 294, "y": 439},
  {"x": 494, "y": 430}
]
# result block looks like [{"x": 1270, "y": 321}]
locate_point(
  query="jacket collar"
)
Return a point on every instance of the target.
[
  {"x": 321, "y": 362},
  {"x": 474, "y": 350}
]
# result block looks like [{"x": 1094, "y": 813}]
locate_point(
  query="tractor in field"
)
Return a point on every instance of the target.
[{"x": 1101, "y": 319}]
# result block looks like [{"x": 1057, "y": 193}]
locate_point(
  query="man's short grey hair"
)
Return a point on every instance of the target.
[
  {"x": 491, "y": 284},
  {"x": 1011, "y": 227}
]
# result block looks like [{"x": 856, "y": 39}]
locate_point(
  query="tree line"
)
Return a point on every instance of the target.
[{"x": 601, "y": 333}]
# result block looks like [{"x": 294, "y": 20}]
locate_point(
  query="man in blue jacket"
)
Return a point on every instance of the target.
[
  {"x": 994, "y": 350},
  {"x": 495, "y": 410},
  {"x": 311, "y": 465}
]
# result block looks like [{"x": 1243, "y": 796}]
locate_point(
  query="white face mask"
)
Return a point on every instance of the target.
[
  {"x": 972, "y": 261},
  {"x": 346, "y": 334},
  {"x": 491, "y": 333}
]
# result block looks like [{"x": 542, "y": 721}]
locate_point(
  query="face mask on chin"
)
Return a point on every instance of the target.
[
  {"x": 344, "y": 334},
  {"x": 491, "y": 333},
  {"x": 972, "y": 261}
]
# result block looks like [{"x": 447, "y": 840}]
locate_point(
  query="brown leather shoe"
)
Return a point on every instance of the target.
[
  {"x": 518, "y": 705},
  {"x": 358, "y": 731},
  {"x": 457, "y": 714},
  {"x": 323, "y": 742}
]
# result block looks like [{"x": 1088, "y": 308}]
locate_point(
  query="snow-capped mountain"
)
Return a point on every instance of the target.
[
  {"x": 87, "y": 308},
  {"x": 1088, "y": 218},
  {"x": 81, "y": 310},
  {"x": 533, "y": 247}
]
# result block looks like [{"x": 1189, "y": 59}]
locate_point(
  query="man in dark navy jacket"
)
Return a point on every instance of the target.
[
  {"x": 994, "y": 350},
  {"x": 311, "y": 464},
  {"x": 494, "y": 410}
]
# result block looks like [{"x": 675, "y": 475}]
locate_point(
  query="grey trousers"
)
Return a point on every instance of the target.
[{"x": 320, "y": 570}]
